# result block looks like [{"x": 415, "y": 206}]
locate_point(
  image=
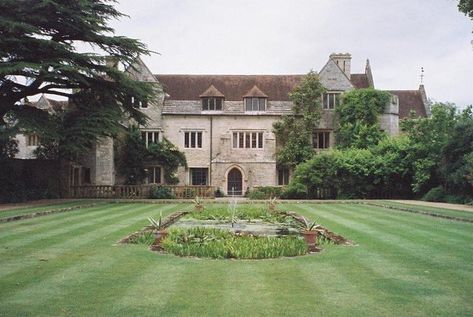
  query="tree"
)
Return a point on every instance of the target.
[
  {"x": 466, "y": 6},
  {"x": 39, "y": 55},
  {"x": 358, "y": 118},
  {"x": 294, "y": 132}
]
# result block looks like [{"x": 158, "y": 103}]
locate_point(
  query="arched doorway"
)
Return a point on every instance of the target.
[{"x": 234, "y": 182}]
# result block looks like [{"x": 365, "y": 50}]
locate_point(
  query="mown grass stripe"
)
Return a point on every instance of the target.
[{"x": 75, "y": 239}]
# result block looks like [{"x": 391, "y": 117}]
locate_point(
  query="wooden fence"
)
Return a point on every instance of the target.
[{"x": 138, "y": 191}]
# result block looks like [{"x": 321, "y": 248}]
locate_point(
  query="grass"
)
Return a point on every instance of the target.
[
  {"x": 46, "y": 207},
  {"x": 432, "y": 210},
  {"x": 405, "y": 264}
]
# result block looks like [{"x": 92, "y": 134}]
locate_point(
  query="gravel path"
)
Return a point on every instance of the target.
[{"x": 437, "y": 205}]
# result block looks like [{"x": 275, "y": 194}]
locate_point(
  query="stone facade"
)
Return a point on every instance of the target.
[{"x": 226, "y": 145}]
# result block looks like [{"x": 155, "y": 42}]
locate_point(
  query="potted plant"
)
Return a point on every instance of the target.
[
  {"x": 159, "y": 229},
  {"x": 198, "y": 204},
  {"x": 310, "y": 231}
]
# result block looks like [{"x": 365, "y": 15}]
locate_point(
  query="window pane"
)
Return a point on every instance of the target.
[
  {"x": 254, "y": 140},
  {"x": 262, "y": 104},
  {"x": 321, "y": 140},
  {"x": 199, "y": 176},
  {"x": 327, "y": 140},
  {"x": 254, "y": 104},
  {"x": 157, "y": 175},
  {"x": 325, "y": 102},
  {"x": 144, "y": 104},
  {"x": 199, "y": 139},
  {"x": 143, "y": 136},
  {"x": 219, "y": 104},
  {"x": 193, "y": 139},
  {"x": 186, "y": 139},
  {"x": 248, "y": 104},
  {"x": 211, "y": 103},
  {"x": 247, "y": 140},
  {"x": 260, "y": 140},
  {"x": 241, "y": 141},
  {"x": 205, "y": 104},
  {"x": 235, "y": 139},
  {"x": 150, "y": 137}
]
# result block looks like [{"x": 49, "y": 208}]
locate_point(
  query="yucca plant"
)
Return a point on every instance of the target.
[
  {"x": 198, "y": 203},
  {"x": 156, "y": 224}
]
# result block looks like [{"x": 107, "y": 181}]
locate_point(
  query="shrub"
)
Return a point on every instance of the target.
[
  {"x": 146, "y": 238},
  {"x": 160, "y": 192},
  {"x": 436, "y": 194},
  {"x": 294, "y": 191},
  {"x": 218, "y": 193},
  {"x": 265, "y": 192}
]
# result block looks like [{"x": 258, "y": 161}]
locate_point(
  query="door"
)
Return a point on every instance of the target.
[{"x": 235, "y": 183}]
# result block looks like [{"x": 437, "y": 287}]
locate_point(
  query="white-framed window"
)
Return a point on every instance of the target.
[
  {"x": 212, "y": 103},
  {"x": 135, "y": 102},
  {"x": 153, "y": 174},
  {"x": 199, "y": 176},
  {"x": 255, "y": 104},
  {"x": 32, "y": 139},
  {"x": 321, "y": 139},
  {"x": 283, "y": 176},
  {"x": 193, "y": 139},
  {"x": 330, "y": 100},
  {"x": 150, "y": 137},
  {"x": 247, "y": 140}
]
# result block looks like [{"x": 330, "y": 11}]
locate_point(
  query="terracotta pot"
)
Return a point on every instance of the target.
[
  {"x": 310, "y": 237},
  {"x": 160, "y": 236},
  {"x": 199, "y": 208}
]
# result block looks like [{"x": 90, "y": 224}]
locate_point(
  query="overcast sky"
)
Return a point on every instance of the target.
[{"x": 292, "y": 37}]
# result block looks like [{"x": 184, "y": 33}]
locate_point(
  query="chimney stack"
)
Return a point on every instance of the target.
[{"x": 343, "y": 61}]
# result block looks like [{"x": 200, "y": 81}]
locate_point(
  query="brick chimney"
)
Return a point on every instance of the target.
[{"x": 343, "y": 61}]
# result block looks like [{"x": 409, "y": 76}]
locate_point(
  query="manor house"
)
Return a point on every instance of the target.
[{"x": 223, "y": 124}]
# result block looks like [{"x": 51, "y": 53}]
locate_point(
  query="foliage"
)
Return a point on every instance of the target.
[
  {"x": 156, "y": 224},
  {"x": 265, "y": 192},
  {"x": 436, "y": 194},
  {"x": 146, "y": 238},
  {"x": 131, "y": 155},
  {"x": 215, "y": 243},
  {"x": 169, "y": 157},
  {"x": 294, "y": 132},
  {"x": 310, "y": 225},
  {"x": 358, "y": 118},
  {"x": 466, "y": 6},
  {"x": 218, "y": 193},
  {"x": 358, "y": 173},
  {"x": 39, "y": 56},
  {"x": 161, "y": 192},
  {"x": 8, "y": 146},
  {"x": 248, "y": 213},
  {"x": 294, "y": 190},
  {"x": 198, "y": 203}
]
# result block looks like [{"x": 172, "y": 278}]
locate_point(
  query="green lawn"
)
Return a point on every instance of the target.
[
  {"x": 404, "y": 265},
  {"x": 433, "y": 210}
]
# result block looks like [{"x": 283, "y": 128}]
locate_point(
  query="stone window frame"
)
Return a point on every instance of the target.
[
  {"x": 283, "y": 176},
  {"x": 326, "y": 100},
  {"x": 215, "y": 105},
  {"x": 326, "y": 138},
  {"x": 191, "y": 176},
  {"x": 260, "y": 100},
  {"x": 32, "y": 139},
  {"x": 248, "y": 139},
  {"x": 155, "y": 134},
  {"x": 154, "y": 176},
  {"x": 197, "y": 141}
]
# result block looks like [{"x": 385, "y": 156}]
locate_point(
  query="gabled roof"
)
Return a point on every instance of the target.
[
  {"x": 255, "y": 92},
  {"x": 360, "y": 81},
  {"x": 212, "y": 92},
  {"x": 410, "y": 100},
  {"x": 234, "y": 87}
]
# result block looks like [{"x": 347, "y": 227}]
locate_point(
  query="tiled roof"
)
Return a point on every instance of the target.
[
  {"x": 410, "y": 100},
  {"x": 360, "y": 81},
  {"x": 233, "y": 87},
  {"x": 211, "y": 92},
  {"x": 255, "y": 92}
]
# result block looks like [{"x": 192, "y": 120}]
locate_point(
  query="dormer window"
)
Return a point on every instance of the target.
[
  {"x": 255, "y": 104},
  {"x": 255, "y": 100},
  {"x": 212, "y": 99},
  {"x": 212, "y": 103}
]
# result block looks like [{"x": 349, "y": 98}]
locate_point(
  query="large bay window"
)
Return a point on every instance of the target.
[
  {"x": 330, "y": 100},
  {"x": 248, "y": 140}
]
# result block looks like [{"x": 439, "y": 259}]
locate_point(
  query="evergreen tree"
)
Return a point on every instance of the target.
[{"x": 39, "y": 54}]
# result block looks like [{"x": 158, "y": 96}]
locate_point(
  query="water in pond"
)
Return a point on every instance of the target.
[{"x": 255, "y": 227}]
